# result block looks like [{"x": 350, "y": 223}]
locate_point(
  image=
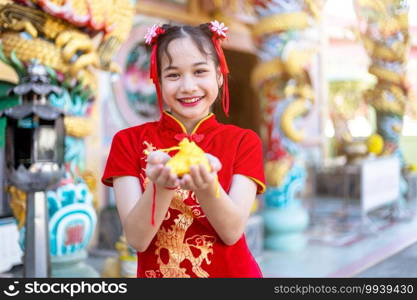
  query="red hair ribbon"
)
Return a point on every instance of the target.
[
  {"x": 151, "y": 39},
  {"x": 219, "y": 33}
]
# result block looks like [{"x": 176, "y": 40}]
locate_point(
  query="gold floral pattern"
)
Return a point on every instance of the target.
[{"x": 172, "y": 246}]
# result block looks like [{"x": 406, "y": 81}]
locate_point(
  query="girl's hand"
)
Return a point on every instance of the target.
[
  {"x": 200, "y": 179},
  {"x": 158, "y": 173}
]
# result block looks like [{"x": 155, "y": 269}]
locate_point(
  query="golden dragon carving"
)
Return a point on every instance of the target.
[{"x": 71, "y": 36}]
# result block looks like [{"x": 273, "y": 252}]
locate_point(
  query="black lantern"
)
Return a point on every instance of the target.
[{"x": 34, "y": 159}]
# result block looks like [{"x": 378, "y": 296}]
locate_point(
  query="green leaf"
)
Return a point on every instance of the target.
[
  {"x": 5, "y": 87},
  {"x": 7, "y": 101},
  {"x": 3, "y": 57},
  {"x": 52, "y": 75},
  {"x": 17, "y": 64},
  {"x": 78, "y": 88}
]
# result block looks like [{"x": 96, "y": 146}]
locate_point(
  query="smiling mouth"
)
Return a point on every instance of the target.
[{"x": 190, "y": 100}]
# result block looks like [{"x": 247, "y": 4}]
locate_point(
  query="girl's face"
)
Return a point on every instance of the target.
[{"x": 191, "y": 82}]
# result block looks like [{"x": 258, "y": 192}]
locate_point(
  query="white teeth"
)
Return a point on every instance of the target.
[{"x": 192, "y": 100}]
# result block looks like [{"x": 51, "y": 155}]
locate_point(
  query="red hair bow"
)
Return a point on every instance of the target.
[
  {"x": 151, "y": 39},
  {"x": 219, "y": 31}
]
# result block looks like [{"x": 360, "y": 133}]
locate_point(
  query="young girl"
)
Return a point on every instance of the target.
[{"x": 182, "y": 227}]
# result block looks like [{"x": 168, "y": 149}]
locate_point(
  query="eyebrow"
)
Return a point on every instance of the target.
[{"x": 194, "y": 65}]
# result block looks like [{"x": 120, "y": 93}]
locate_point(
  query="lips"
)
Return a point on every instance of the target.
[{"x": 190, "y": 101}]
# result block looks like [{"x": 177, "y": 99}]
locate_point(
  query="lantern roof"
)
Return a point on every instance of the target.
[{"x": 43, "y": 111}]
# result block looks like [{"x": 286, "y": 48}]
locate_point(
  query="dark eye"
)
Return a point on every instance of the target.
[
  {"x": 172, "y": 75},
  {"x": 200, "y": 71}
]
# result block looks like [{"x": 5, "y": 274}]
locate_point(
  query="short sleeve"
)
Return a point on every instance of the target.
[
  {"x": 249, "y": 160},
  {"x": 123, "y": 159}
]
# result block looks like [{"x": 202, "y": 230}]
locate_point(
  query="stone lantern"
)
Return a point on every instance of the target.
[{"x": 34, "y": 160}]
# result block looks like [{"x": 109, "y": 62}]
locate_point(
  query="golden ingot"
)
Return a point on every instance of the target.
[{"x": 189, "y": 154}]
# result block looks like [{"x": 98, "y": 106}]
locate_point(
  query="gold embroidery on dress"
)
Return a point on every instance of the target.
[
  {"x": 178, "y": 249},
  {"x": 173, "y": 241},
  {"x": 149, "y": 148}
]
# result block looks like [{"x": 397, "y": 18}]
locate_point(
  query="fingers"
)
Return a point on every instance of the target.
[
  {"x": 154, "y": 172},
  {"x": 158, "y": 157},
  {"x": 173, "y": 180},
  {"x": 186, "y": 182},
  {"x": 198, "y": 179},
  {"x": 214, "y": 162},
  {"x": 163, "y": 176},
  {"x": 206, "y": 176},
  {"x": 195, "y": 172}
]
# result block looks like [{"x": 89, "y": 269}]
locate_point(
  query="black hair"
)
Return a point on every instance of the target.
[{"x": 200, "y": 35}]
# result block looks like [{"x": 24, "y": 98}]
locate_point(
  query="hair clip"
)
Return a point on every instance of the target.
[
  {"x": 218, "y": 29},
  {"x": 151, "y": 38},
  {"x": 152, "y": 34},
  {"x": 219, "y": 33}
]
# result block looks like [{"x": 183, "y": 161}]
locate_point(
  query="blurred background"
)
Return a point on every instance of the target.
[{"x": 330, "y": 86}]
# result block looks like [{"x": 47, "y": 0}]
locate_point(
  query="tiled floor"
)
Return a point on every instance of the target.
[
  {"x": 323, "y": 260},
  {"x": 342, "y": 244},
  {"x": 390, "y": 251},
  {"x": 400, "y": 265}
]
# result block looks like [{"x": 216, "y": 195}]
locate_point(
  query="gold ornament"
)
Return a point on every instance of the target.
[
  {"x": 281, "y": 22},
  {"x": 375, "y": 144},
  {"x": 18, "y": 204},
  {"x": 294, "y": 110},
  {"x": 189, "y": 154},
  {"x": 60, "y": 40},
  {"x": 77, "y": 126},
  {"x": 277, "y": 170}
]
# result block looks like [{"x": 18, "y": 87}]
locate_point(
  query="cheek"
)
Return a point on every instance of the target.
[
  {"x": 168, "y": 88},
  {"x": 214, "y": 88},
  {"x": 211, "y": 85}
]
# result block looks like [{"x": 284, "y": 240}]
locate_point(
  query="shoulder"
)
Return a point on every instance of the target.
[
  {"x": 135, "y": 131},
  {"x": 131, "y": 137},
  {"x": 242, "y": 134}
]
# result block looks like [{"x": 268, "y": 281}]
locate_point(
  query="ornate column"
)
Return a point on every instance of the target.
[
  {"x": 287, "y": 37},
  {"x": 69, "y": 41},
  {"x": 383, "y": 28}
]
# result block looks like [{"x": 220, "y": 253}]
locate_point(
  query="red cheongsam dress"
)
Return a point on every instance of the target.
[{"x": 186, "y": 245}]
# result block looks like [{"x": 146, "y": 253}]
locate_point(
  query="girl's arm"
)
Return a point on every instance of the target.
[
  {"x": 228, "y": 213},
  {"x": 135, "y": 210},
  {"x": 135, "y": 207}
]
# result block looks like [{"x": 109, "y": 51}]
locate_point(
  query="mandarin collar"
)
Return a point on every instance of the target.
[{"x": 176, "y": 129}]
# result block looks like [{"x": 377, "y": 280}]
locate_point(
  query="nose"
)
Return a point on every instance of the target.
[{"x": 188, "y": 84}]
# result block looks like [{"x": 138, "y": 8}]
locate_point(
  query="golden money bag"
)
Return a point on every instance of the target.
[{"x": 189, "y": 154}]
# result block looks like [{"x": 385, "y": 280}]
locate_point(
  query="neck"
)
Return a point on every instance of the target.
[{"x": 189, "y": 124}]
